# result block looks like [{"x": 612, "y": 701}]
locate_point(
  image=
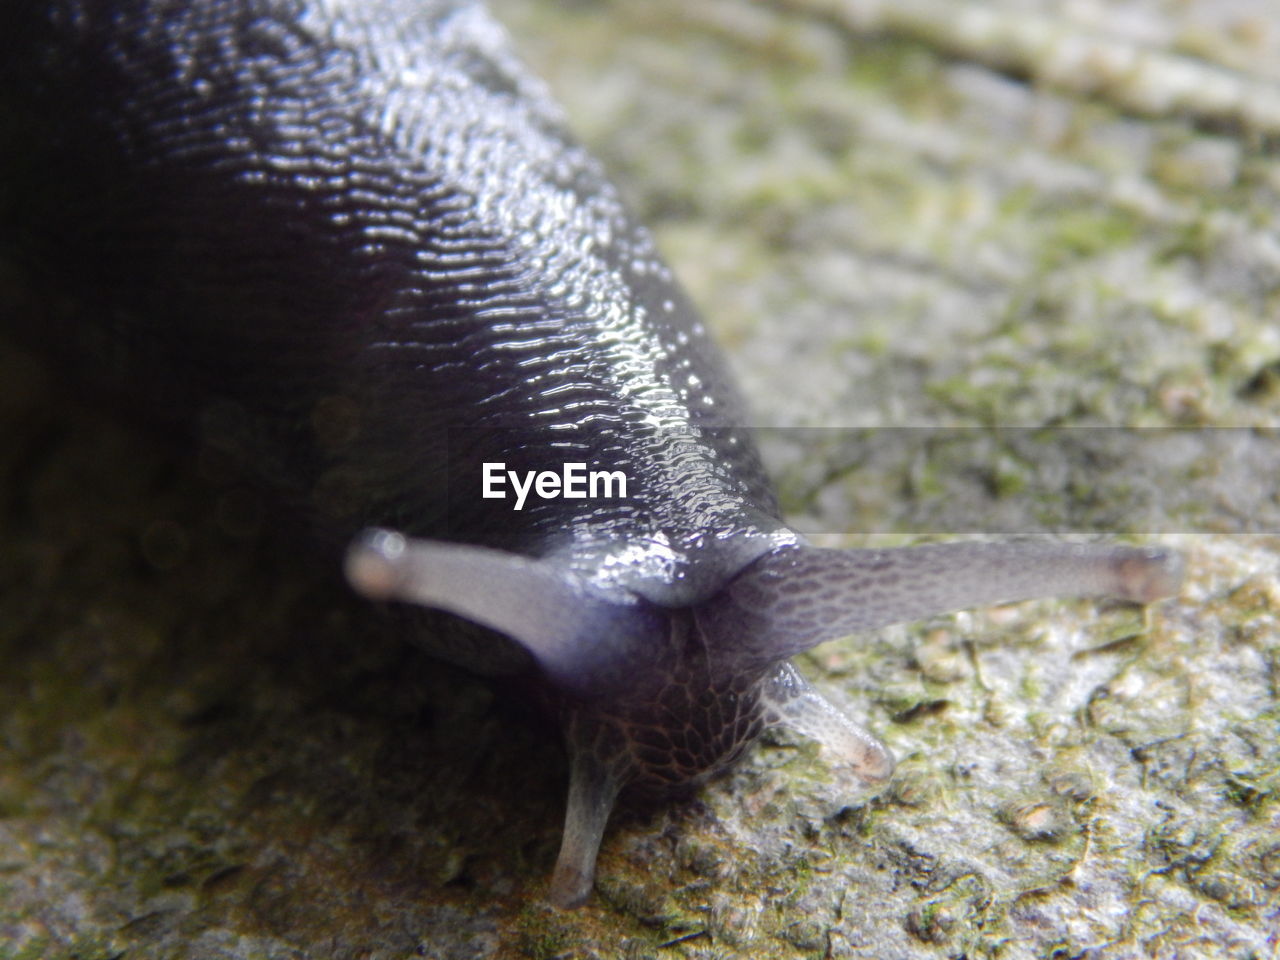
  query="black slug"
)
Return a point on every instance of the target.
[{"x": 357, "y": 231}]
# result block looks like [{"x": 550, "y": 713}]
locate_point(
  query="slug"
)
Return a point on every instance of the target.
[{"x": 357, "y": 231}]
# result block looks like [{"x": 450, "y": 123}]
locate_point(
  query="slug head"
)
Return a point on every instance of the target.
[{"x": 665, "y": 697}]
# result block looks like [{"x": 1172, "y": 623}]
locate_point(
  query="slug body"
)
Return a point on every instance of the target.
[{"x": 356, "y": 231}]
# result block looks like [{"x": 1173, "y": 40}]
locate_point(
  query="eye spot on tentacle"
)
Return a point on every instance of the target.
[
  {"x": 371, "y": 564},
  {"x": 1148, "y": 575}
]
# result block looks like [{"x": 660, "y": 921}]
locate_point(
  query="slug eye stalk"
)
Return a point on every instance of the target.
[
  {"x": 585, "y": 640},
  {"x": 797, "y": 597}
]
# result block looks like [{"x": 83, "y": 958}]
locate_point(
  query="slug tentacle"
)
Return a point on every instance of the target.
[
  {"x": 583, "y": 639},
  {"x": 793, "y": 702},
  {"x": 597, "y": 772},
  {"x": 794, "y": 598}
]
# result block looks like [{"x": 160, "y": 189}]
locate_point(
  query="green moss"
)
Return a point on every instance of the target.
[
  {"x": 1085, "y": 232},
  {"x": 38, "y": 948},
  {"x": 543, "y": 935},
  {"x": 901, "y": 70}
]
